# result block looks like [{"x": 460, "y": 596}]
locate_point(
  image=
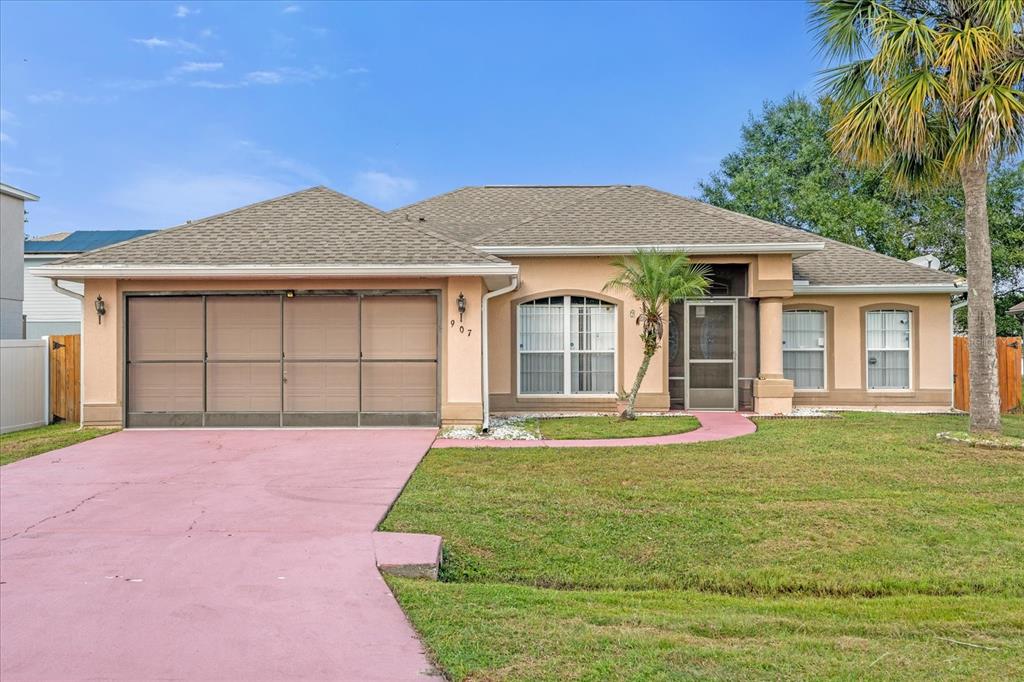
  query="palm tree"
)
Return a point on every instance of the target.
[
  {"x": 655, "y": 280},
  {"x": 932, "y": 91}
]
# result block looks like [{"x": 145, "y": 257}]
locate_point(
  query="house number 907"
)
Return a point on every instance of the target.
[{"x": 462, "y": 329}]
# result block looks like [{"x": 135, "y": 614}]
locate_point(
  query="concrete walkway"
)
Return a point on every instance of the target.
[
  {"x": 713, "y": 426},
  {"x": 205, "y": 555}
]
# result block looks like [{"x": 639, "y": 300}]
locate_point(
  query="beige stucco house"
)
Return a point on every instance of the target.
[{"x": 314, "y": 309}]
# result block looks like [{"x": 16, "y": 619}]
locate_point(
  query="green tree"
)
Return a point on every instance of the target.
[
  {"x": 932, "y": 90},
  {"x": 655, "y": 280},
  {"x": 785, "y": 171}
]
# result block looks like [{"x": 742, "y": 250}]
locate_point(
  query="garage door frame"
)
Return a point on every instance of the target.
[{"x": 284, "y": 419}]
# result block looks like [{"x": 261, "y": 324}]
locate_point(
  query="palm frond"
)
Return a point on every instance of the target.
[
  {"x": 964, "y": 53},
  {"x": 843, "y": 26},
  {"x": 861, "y": 135}
]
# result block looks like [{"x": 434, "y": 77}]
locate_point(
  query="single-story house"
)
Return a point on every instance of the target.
[
  {"x": 48, "y": 312},
  {"x": 315, "y": 309}
]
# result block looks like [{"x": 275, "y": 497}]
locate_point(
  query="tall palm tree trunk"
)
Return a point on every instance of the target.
[{"x": 981, "y": 312}]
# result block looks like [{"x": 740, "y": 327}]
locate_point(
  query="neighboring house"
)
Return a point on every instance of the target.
[
  {"x": 314, "y": 309},
  {"x": 12, "y": 236},
  {"x": 48, "y": 312}
]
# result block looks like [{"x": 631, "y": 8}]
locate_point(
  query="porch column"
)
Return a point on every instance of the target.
[{"x": 773, "y": 394}]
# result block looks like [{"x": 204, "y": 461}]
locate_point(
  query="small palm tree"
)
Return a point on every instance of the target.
[
  {"x": 655, "y": 280},
  {"x": 933, "y": 90}
]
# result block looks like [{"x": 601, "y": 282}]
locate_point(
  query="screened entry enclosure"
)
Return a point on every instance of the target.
[
  {"x": 345, "y": 359},
  {"x": 712, "y": 354}
]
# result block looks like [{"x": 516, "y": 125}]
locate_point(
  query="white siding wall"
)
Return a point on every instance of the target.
[
  {"x": 12, "y": 244},
  {"x": 23, "y": 385},
  {"x": 48, "y": 311}
]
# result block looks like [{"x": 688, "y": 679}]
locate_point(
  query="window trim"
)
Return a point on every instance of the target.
[
  {"x": 567, "y": 351},
  {"x": 911, "y": 355},
  {"x": 824, "y": 350}
]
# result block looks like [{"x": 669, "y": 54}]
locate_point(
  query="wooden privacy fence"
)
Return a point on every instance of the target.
[
  {"x": 65, "y": 377},
  {"x": 22, "y": 384},
  {"x": 1008, "y": 354}
]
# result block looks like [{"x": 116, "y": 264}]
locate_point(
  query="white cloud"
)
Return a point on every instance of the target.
[
  {"x": 264, "y": 77},
  {"x": 381, "y": 186},
  {"x": 163, "y": 197},
  {"x": 206, "y": 33},
  {"x": 291, "y": 9},
  {"x": 175, "y": 43},
  {"x": 7, "y": 139},
  {"x": 181, "y": 11},
  {"x": 7, "y": 169},
  {"x": 6, "y": 116},
  {"x": 356, "y": 70},
  {"x": 196, "y": 67},
  {"x": 280, "y": 76},
  {"x": 253, "y": 153},
  {"x": 49, "y": 97}
]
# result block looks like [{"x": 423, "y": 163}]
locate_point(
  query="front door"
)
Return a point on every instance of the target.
[{"x": 710, "y": 355}]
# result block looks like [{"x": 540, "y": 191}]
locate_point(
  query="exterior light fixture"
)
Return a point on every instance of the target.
[
  {"x": 289, "y": 294},
  {"x": 101, "y": 309},
  {"x": 461, "y": 304}
]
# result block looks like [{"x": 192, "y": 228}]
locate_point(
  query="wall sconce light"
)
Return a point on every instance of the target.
[
  {"x": 461, "y": 305},
  {"x": 101, "y": 309}
]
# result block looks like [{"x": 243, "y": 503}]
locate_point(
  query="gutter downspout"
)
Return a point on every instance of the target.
[
  {"x": 54, "y": 282},
  {"x": 485, "y": 380},
  {"x": 952, "y": 333}
]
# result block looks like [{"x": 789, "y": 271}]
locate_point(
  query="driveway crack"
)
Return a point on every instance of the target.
[{"x": 75, "y": 508}]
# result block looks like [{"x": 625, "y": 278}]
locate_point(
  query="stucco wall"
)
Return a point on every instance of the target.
[
  {"x": 103, "y": 347},
  {"x": 931, "y": 348},
  {"x": 551, "y": 276}
]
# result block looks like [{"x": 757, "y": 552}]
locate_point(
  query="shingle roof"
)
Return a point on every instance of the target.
[
  {"x": 633, "y": 215},
  {"x": 841, "y": 264},
  {"x": 81, "y": 240},
  {"x": 317, "y": 226},
  {"x": 471, "y": 211}
]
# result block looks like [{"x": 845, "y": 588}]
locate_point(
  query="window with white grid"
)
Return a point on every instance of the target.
[
  {"x": 566, "y": 346},
  {"x": 887, "y": 336},
  {"x": 803, "y": 349}
]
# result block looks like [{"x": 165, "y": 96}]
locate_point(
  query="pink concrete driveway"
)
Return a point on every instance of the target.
[{"x": 205, "y": 555}]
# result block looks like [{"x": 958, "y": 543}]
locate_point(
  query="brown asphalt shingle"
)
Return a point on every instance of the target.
[
  {"x": 317, "y": 226},
  {"x": 638, "y": 215}
]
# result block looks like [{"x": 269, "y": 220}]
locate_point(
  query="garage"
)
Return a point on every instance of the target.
[{"x": 302, "y": 359}]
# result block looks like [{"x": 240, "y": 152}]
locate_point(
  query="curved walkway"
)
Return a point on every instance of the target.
[{"x": 713, "y": 426}]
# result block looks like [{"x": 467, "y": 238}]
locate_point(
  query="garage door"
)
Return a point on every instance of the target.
[{"x": 345, "y": 359}]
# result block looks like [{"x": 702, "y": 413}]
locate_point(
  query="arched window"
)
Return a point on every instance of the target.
[
  {"x": 887, "y": 340},
  {"x": 566, "y": 346}
]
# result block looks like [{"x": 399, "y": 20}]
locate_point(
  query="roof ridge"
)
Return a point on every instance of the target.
[
  {"x": 503, "y": 228},
  {"x": 182, "y": 226}
]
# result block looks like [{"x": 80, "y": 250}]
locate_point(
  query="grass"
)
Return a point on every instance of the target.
[
  {"x": 610, "y": 426},
  {"x": 809, "y": 549},
  {"x": 30, "y": 442}
]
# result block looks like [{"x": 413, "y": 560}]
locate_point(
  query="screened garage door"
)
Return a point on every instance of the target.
[{"x": 346, "y": 359}]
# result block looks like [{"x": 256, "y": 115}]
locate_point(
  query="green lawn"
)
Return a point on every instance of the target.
[
  {"x": 610, "y": 426},
  {"x": 809, "y": 549},
  {"x": 22, "y": 444}
]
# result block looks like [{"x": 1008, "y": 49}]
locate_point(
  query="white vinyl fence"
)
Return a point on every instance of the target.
[{"x": 24, "y": 384}]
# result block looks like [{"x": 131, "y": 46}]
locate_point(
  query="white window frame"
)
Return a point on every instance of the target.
[
  {"x": 909, "y": 350},
  {"x": 567, "y": 350},
  {"x": 823, "y": 349}
]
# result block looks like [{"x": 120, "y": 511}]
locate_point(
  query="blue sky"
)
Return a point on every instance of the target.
[{"x": 133, "y": 115}]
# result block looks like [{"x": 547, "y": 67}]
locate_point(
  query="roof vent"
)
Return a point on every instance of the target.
[{"x": 927, "y": 261}]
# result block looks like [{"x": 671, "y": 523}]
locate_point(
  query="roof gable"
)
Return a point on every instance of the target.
[{"x": 313, "y": 227}]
